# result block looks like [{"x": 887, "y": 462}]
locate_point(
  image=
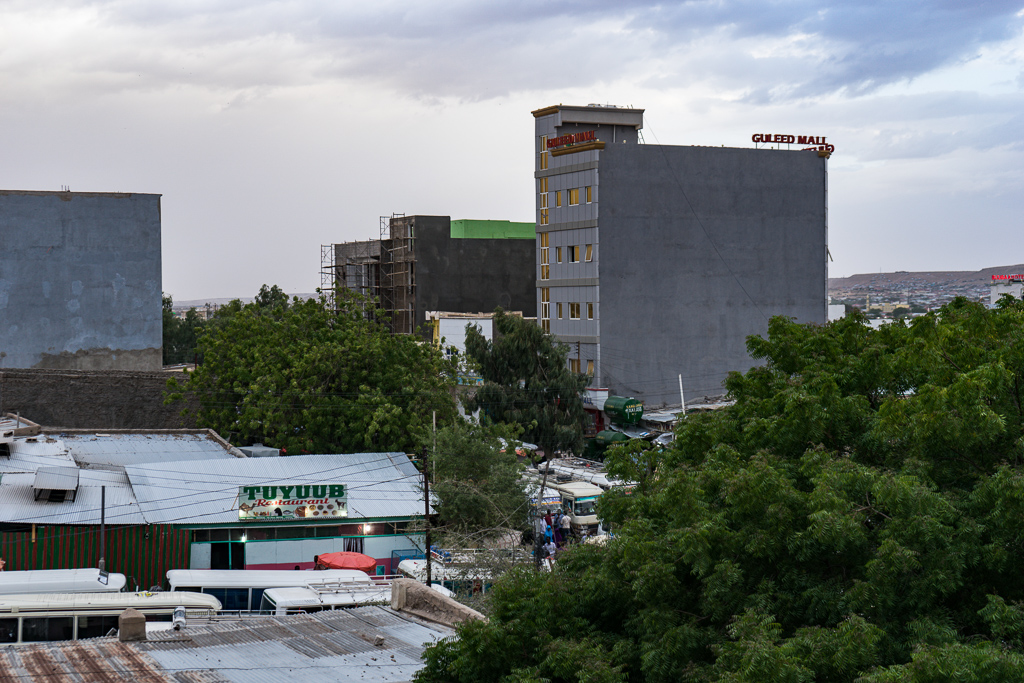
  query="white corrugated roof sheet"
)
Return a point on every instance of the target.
[
  {"x": 18, "y": 503},
  {"x": 122, "y": 449},
  {"x": 206, "y": 492}
]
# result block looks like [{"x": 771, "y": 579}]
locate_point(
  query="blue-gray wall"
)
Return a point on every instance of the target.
[
  {"x": 700, "y": 246},
  {"x": 80, "y": 280}
]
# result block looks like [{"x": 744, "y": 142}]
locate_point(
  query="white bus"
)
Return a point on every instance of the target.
[
  {"x": 38, "y": 617},
  {"x": 458, "y": 573},
  {"x": 242, "y": 589},
  {"x": 324, "y": 596},
  {"x": 59, "y": 581}
]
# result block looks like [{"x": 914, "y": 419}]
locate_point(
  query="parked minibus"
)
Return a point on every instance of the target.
[
  {"x": 38, "y": 617},
  {"x": 242, "y": 589},
  {"x": 59, "y": 581},
  {"x": 317, "y": 597}
]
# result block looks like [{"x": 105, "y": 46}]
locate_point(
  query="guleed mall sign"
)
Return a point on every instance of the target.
[
  {"x": 274, "y": 503},
  {"x": 814, "y": 141}
]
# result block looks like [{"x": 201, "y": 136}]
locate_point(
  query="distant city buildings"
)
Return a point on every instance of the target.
[{"x": 656, "y": 261}]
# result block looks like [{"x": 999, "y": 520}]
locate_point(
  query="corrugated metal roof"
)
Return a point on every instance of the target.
[
  {"x": 56, "y": 478},
  {"x": 119, "y": 450},
  {"x": 378, "y": 485},
  {"x": 18, "y": 503},
  {"x": 329, "y": 647}
]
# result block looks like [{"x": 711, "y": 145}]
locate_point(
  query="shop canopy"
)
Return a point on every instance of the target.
[{"x": 347, "y": 560}]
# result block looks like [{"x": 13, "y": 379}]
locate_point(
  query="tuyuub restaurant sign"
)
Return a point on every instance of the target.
[{"x": 292, "y": 501}]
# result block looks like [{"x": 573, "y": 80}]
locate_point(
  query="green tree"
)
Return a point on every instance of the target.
[
  {"x": 855, "y": 516},
  {"x": 180, "y": 336},
  {"x": 477, "y": 481},
  {"x": 527, "y": 382},
  {"x": 308, "y": 379}
]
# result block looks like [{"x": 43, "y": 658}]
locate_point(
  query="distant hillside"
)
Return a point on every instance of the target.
[{"x": 918, "y": 278}]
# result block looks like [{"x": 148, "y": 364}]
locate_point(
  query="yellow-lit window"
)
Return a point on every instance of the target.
[
  {"x": 543, "y": 161},
  {"x": 574, "y": 311},
  {"x": 558, "y": 198},
  {"x": 590, "y": 368},
  {"x": 545, "y": 311},
  {"x": 543, "y": 216},
  {"x": 544, "y": 239},
  {"x": 543, "y": 200},
  {"x": 574, "y": 364},
  {"x": 545, "y": 272},
  {"x": 574, "y": 196},
  {"x": 558, "y": 309},
  {"x": 543, "y": 143},
  {"x": 590, "y": 252},
  {"x": 588, "y": 194},
  {"x": 545, "y": 294},
  {"x": 546, "y": 325},
  {"x": 590, "y": 311},
  {"x": 574, "y": 254},
  {"x": 558, "y": 254},
  {"x": 544, "y": 185}
]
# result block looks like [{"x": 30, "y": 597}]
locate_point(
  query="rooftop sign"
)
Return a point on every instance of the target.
[
  {"x": 562, "y": 140},
  {"x": 274, "y": 503},
  {"x": 1008, "y": 277},
  {"x": 813, "y": 141}
]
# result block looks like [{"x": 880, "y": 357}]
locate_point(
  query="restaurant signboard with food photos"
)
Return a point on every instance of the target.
[{"x": 292, "y": 501}]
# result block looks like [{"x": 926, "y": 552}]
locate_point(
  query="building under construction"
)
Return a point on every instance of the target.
[{"x": 433, "y": 263}]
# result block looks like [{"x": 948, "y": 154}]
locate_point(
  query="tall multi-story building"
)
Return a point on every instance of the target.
[
  {"x": 433, "y": 263},
  {"x": 80, "y": 281},
  {"x": 658, "y": 261}
]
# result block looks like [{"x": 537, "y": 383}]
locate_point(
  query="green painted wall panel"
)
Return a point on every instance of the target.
[{"x": 470, "y": 229}]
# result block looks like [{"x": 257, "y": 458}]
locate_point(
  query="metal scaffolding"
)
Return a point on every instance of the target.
[{"x": 398, "y": 272}]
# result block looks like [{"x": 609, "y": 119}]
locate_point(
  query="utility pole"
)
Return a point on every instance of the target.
[
  {"x": 578, "y": 367},
  {"x": 103, "y": 535},
  {"x": 426, "y": 510}
]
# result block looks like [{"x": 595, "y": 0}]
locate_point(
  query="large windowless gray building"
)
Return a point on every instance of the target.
[
  {"x": 655, "y": 261},
  {"x": 80, "y": 282}
]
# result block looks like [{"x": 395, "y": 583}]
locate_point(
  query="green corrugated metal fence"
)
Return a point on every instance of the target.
[{"x": 142, "y": 553}]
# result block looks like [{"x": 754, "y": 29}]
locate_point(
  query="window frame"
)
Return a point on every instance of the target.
[{"x": 590, "y": 253}]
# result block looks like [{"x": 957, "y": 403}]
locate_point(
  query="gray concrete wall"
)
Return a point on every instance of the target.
[
  {"x": 471, "y": 275},
  {"x": 683, "y": 283},
  {"x": 95, "y": 400},
  {"x": 80, "y": 280}
]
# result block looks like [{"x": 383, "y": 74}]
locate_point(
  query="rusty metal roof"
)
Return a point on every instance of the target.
[{"x": 336, "y": 646}]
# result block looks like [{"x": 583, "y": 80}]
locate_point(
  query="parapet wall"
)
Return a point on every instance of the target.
[{"x": 86, "y": 399}]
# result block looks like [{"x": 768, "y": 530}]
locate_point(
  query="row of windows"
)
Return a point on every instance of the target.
[
  {"x": 574, "y": 310},
  {"x": 545, "y": 305},
  {"x": 290, "y": 532},
  {"x": 573, "y": 253},
  {"x": 572, "y": 196}
]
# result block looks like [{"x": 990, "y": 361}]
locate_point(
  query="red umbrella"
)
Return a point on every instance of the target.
[{"x": 363, "y": 563}]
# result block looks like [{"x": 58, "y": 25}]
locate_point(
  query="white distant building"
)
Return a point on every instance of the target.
[{"x": 1005, "y": 284}]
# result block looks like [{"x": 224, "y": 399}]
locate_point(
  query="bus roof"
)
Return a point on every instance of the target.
[
  {"x": 292, "y": 596},
  {"x": 35, "y": 602},
  {"x": 257, "y": 578},
  {"x": 59, "y": 581}
]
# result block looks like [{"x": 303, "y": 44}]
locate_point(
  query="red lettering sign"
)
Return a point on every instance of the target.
[
  {"x": 572, "y": 139},
  {"x": 816, "y": 141},
  {"x": 1008, "y": 277}
]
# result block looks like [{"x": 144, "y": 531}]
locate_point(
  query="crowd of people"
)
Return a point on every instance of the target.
[{"x": 554, "y": 529}]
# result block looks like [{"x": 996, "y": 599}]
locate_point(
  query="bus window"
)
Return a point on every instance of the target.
[
  {"x": 95, "y": 626},
  {"x": 8, "y": 630},
  {"x": 230, "y": 598},
  {"x": 257, "y": 598},
  {"x": 584, "y": 508},
  {"x": 37, "y": 629},
  {"x": 267, "y": 605}
]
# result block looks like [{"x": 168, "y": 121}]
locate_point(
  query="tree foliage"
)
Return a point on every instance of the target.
[
  {"x": 477, "y": 481},
  {"x": 855, "y": 516},
  {"x": 298, "y": 376},
  {"x": 180, "y": 335},
  {"x": 527, "y": 382}
]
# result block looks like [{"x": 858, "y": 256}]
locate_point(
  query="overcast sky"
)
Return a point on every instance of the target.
[{"x": 271, "y": 128}]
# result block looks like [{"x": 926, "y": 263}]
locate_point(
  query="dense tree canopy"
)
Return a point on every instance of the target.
[
  {"x": 299, "y": 376},
  {"x": 180, "y": 335},
  {"x": 855, "y": 516},
  {"x": 527, "y": 382}
]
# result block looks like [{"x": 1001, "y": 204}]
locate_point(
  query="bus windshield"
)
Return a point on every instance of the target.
[{"x": 584, "y": 507}]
